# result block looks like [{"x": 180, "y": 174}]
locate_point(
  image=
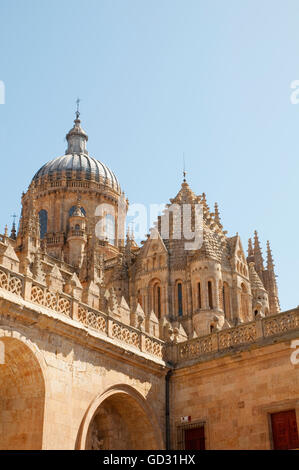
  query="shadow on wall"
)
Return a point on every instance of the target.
[{"x": 22, "y": 398}]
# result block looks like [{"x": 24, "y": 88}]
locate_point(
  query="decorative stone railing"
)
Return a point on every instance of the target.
[
  {"x": 37, "y": 293},
  {"x": 246, "y": 334},
  {"x": 55, "y": 239},
  {"x": 110, "y": 327},
  {"x": 153, "y": 346},
  {"x": 126, "y": 334},
  {"x": 56, "y": 184},
  {"x": 61, "y": 303},
  {"x": 93, "y": 318},
  {"x": 77, "y": 233},
  {"x": 234, "y": 337},
  {"x": 113, "y": 328},
  {"x": 281, "y": 323},
  {"x": 11, "y": 282},
  {"x": 77, "y": 184}
]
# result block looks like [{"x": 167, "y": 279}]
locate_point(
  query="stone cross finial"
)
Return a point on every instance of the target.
[
  {"x": 78, "y": 112},
  {"x": 184, "y": 169}
]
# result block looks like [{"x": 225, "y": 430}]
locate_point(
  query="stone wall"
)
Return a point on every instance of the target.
[
  {"x": 52, "y": 400},
  {"x": 234, "y": 396},
  {"x": 67, "y": 384}
]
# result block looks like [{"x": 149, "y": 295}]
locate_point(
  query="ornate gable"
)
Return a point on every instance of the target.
[{"x": 154, "y": 244}]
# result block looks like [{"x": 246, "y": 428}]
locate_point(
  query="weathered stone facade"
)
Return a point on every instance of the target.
[{"x": 94, "y": 326}]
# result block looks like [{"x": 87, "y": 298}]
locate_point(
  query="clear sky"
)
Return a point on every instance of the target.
[{"x": 158, "y": 78}]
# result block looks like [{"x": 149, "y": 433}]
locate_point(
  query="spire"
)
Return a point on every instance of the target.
[
  {"x": 217, "y": 216},
  {"x": 204, "y": 200},
  {"x": 250, "y": 249},
  {"x": 271, "y": 284},
  {"x": 258, "y": 258},
  {"x": 130, "y": 234},
  {"x": 255, "y": 280},
  {"x": 270, "y": 263},
  {"x": 13, "y": 233},
  {"x": 184, "y": 196},
  {"x": 77, "y": 137},
  {"x": 130, "y": 242},
  {"x": 128, "y": 237},
  {"x": 250, "y": 257}
]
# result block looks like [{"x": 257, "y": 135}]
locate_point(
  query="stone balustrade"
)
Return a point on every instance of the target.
[
  {"x": 93, "y": 319},
  {"x": 244, "y": 334},
  {"x": 201, "y": 347},
  {"x": 12, "y": 282},
  {"x": 55, "y": 239},
  {"x": 61, "y": 303},
  {"x": 77, "y": 233}
]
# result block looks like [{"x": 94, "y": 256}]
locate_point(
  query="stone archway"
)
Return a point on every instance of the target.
[
  {"x": 120, "y": 419},
  {"x": 22, "y": 397}
]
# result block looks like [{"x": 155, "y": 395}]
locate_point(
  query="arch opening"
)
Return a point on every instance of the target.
[
  {"x": 120, "y": 423},
  {"x": 22, "y": 398}
]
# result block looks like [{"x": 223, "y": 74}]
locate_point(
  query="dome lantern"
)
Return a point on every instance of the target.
[{"x": 76, "y": 137}]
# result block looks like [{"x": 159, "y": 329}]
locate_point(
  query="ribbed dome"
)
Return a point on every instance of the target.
[
  {"x": 76, "y": 163},
  {"x": 84, "y": 166}
]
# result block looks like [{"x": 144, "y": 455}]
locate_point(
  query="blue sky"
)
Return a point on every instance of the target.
[{"x": 158, "y": 78}]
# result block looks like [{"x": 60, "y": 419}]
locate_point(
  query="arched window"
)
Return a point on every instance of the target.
[
  {"x": 110, "y": 228},
  {"x": 77, "y": 227},
  {"x": 198, "y": 295},
  {"x": 72, "y": 210},
  {"x": 210, "y": 294},
  {"x": 43, "y": 222},
  {"x": 157, "y": 300},
  {"x": 226, "y": 300},
  {"x": 180, "y": 298}
]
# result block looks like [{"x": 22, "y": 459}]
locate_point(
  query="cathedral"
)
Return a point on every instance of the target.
[{"x": 178, "y": 343}]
